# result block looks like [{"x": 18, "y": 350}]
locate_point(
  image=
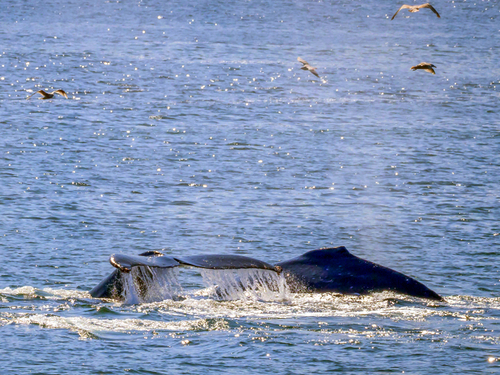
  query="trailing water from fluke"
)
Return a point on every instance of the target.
[
  {"x": 253, "y": 284},
  {"x": 151, "y": 276},
  {"x": 150, "y": 284}
]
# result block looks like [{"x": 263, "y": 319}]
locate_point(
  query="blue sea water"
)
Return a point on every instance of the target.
[{"x": 191, "y": 129}]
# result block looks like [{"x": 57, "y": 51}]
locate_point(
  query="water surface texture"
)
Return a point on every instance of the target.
[{"x": 190, "y": 129}]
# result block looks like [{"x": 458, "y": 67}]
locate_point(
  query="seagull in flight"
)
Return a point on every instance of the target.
[
  {"x": 306, "y": 66},
  {"x": 416, "y": 8},
  {"x": 46, "y": 95},
  {"x": 425, "y": 66}
]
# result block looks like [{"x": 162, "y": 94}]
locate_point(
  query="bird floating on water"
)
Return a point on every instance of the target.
[
  {"x": 306, "y": 66},
  {"x": 416, "y": 8},
  {"x": 46, "y": 95},
  {"x": 425, "y": 66}
]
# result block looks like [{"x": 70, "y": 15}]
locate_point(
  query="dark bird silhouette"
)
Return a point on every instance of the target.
[
  {"x": 425, "y": 66},
  {"x": 46, "y": 95},
  {"x": 306, "y": 66},
  {"x": 416, "y": 8}
]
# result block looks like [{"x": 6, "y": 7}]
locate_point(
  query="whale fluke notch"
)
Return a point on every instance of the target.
[
  {"x": 224, "y": 262},
  {"x": 151, "y": 259},
  {"x": 151, "y": 253}
]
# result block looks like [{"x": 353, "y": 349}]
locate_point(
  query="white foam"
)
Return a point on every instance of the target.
[
  {"x": 86, "y": 326},
  {"x": 24, "y": 290},
  {"x": 46, "y": 293}
]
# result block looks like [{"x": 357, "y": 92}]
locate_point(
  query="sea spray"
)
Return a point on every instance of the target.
[
  {"x": 150, "y": 284},
  {"x": 256, "y": 284}
]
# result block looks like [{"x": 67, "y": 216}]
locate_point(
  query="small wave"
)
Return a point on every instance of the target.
[
  {"x": 29, "y": 292},
  {"x": 24, "y": 290},
  {"x": 90, "y": 327}
]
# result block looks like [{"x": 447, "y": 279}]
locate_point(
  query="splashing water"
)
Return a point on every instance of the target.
[
  {"x": 150, "y": 284},
  {"x": 247, "y": 284}
]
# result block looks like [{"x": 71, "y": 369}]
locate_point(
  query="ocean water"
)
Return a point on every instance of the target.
[{"x": 191, "y": 129}]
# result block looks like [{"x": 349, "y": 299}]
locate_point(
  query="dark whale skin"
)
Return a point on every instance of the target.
[
  {"x": 337, "y": 270},
  {"x": 317, "y": 271}
]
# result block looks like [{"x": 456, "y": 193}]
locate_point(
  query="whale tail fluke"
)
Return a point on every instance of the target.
[{"x": 324, "y": 270}]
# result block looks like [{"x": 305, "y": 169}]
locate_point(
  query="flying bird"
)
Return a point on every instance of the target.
[
  {"x": 425, "y": 66},
  {"x": 306, "y": 66},
  {"x": 46, "y": 95},
  {"x": 416, "y": 8}
]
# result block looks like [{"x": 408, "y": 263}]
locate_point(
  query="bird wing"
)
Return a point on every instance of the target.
[
  {"x": 31, "y": 95},
  {"x": 404, "y": 6},
  {"x": 302, "y": 61},
  {"x": 62, "y": 93},
  {"x": 313, "y": 71},
  {"x": 430, "y": 70},
  {"x": 41, "y": 92},
  {"x": 427, "y": 5}
]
